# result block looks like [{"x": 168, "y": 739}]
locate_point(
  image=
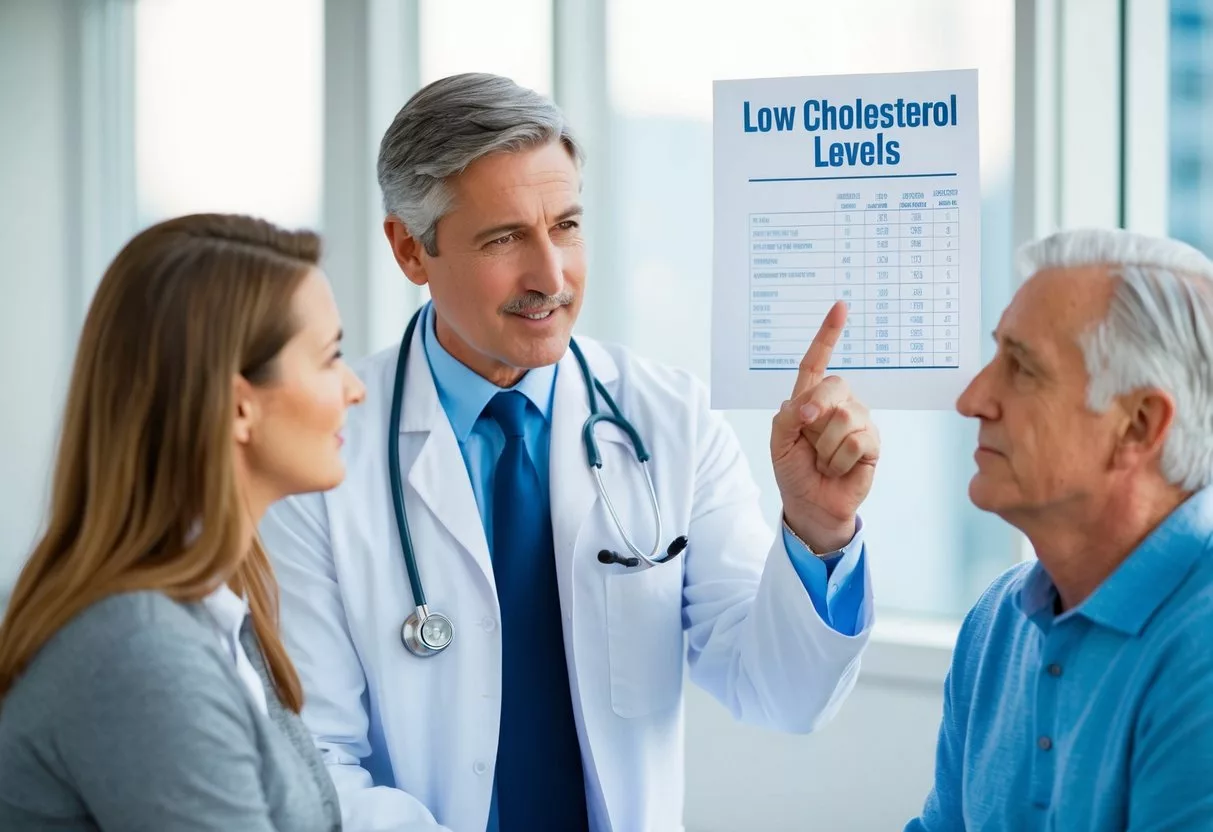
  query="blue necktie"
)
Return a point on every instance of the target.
[{"x": 539, "y": 781}]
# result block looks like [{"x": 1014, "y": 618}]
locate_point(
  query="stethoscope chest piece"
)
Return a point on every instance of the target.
[{"x": 427, "y": 633}]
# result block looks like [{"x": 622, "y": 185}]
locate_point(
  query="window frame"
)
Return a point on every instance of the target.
[
  {"x": 1146, "y": 68},
  {"x": 101, "y": 152}
]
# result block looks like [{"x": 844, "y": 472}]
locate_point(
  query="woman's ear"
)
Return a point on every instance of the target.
[{"x": 246, "y": 411}]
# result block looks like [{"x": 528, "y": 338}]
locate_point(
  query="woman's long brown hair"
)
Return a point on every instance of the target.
[{"x": 145, "y": 495}]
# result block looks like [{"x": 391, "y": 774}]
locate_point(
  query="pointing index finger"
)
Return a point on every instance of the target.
[{"x": 817, "y": 358}]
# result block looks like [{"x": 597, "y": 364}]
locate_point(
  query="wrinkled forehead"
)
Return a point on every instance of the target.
[
  {"x": 1062, "y": 301},
  {"x": 1055, "y": 306}
]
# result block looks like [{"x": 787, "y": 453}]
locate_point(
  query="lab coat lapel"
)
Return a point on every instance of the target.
[
  {"x": 570, "y": 483},
  {"x": 437, "y": 474},
  {"x": 573, "y": 492}
]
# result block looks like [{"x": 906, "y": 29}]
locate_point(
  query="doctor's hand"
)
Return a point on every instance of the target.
[{"x": 824, "y": 447}]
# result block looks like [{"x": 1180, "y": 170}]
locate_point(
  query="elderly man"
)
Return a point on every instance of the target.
[
  {"x": 1081, "y": 691},
  {"x": 539, "y": 682}
]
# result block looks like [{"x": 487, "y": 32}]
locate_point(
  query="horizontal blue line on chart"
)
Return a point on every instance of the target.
[
  {"x": 848, "y": 340},
  {"x": 857, "y": 210},
  {"x": 794, "y": 368},
  {"x": 821, "y": 314},
  {"x": 843, "y": 178}
]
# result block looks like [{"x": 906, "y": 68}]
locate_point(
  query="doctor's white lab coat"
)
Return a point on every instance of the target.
[{"x": 411, "y": 743}]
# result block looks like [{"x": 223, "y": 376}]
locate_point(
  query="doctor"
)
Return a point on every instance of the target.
[{"x": 540, "y": 684}]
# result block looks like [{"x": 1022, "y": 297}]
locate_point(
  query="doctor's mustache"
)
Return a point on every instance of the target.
[{"x": 535, "y": 301}]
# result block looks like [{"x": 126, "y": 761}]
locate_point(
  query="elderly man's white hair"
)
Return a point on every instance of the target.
[{"x": 1158, "y": 333}]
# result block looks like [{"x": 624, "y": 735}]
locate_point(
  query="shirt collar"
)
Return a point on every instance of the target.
[
  {"x": 1035, "y": 595},
  {"x": 1130, "y": 596},
  {"x": 228, "y": 609},
  {"x": 464, "y": 394}
]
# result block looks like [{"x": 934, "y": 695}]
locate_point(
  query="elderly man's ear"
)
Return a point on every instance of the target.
[{"x": 1148, "y": 414}]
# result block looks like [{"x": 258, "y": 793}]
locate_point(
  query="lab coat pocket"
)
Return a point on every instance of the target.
[{"x": 644, "y": 637}]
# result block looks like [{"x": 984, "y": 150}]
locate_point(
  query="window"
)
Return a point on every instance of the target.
[
  {"x": 229, "y": 103},
  {"x": 1191, "y": 123},
  {"x": 473, "y": 36},
  {"x": 933, "y": 551}
]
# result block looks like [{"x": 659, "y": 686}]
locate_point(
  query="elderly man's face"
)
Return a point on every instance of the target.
[
  {"x": 1040, "y": 447},
  {"x": 508, "y": 277}
]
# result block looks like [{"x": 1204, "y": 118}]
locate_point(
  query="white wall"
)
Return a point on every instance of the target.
[
  {"x": 37, "y": 321},
  {"x": 867, "y": 771}
]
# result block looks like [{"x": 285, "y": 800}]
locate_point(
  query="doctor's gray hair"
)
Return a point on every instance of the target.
[
  {"x": 445, "y": 127},
  {"x": 1158, "y": 333}
]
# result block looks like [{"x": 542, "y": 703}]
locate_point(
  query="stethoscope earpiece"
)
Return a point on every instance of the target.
[
  {"x": 676, "y": 548},
  {"x": 608, "y": 557}
]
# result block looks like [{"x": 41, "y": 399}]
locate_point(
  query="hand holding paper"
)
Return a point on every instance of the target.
[{"x": 824, "y": 447}]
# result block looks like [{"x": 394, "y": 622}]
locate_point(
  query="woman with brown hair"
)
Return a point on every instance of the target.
[{"x": 208, "y": 383}]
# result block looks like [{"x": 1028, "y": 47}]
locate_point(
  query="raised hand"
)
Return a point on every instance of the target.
[{"x": 824, "y": 447}]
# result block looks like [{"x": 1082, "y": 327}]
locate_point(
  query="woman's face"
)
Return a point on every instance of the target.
[{"x": 288, "y": 430}]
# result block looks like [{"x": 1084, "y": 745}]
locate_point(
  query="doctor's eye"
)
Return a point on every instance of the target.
[{"x": 569, "y": 225}]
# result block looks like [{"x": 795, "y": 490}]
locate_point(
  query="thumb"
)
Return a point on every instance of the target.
[{"x": 791, "y": 418}]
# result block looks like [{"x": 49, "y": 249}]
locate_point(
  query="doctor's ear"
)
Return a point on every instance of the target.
[
  {"x": 407, "y": 250},
  {"x": 247, "y": 410}
]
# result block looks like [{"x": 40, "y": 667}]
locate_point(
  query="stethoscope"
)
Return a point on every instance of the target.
[{"x": 427, "y": 633}]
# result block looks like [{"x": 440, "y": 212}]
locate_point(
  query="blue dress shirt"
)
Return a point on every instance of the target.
[
  {"x": 1100, "y": 718},
  {"x": 835, "y": 585}
]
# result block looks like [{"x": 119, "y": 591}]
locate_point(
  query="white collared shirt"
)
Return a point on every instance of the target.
[{"x": 227, "y": 613}]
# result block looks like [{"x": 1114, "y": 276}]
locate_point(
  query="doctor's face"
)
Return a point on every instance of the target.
[
  {"x": 508, "y": 278},
  {"x": 1041, "y": 449}
]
